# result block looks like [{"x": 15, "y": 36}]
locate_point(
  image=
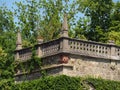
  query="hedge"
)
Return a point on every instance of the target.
[{"x": 61, "y": 82}]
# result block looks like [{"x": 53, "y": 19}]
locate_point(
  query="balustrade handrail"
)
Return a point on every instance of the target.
[
  {"x": 107, "y": 51},
  {"x": 75, "y": 46}
]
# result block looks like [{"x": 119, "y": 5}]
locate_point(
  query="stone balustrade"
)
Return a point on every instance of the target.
[
  {"x": 23, "y": 54},
  {"x": 50, "y": 48},
  {"x": 94, "y": 49},
  {"x": 89, "y": 48},
  {"x": 72, "y": 46},
  {"x": 117, "y": 52}
]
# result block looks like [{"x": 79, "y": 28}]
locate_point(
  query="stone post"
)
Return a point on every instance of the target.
[
  {"x": 40, "y": 41},
  {"x": 65, "y": 46},
  {"x": 64, "y": 34},
  {"x": 17, "y": 55},
  {"x": 19, "y": 41},
  {"x": 112, "y": 50},
  {"x": 18, "y": 45},
  {"x": 64, "y": 31}
]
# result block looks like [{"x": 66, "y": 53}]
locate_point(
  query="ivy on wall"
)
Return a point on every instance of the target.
[{"x": 30, "y": 65}]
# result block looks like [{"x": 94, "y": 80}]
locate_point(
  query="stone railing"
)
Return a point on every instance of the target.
[
  {"x": 94, "y": 49},
  {"x": 23, "y": 54},
  {"x": 89, "y": 48},
  {"x": 42, "y": 50},
  {"x": 50, "y": 48},
  {"x": 71, "y": 46},
  {"x": 117, "y": 52}
]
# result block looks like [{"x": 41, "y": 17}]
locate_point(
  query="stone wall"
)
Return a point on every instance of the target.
[
  {"x": 76, "y": 58},
  {"x": 77, "y": 66},
  {"x": 95, "y": 67},
  {"x": 50, "y": 65}
]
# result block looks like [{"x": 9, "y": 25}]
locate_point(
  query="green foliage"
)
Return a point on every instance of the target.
[
  {"x": 7, "y": 40},
  {"x": 7, "y": 29},
  {"x": 27, "y": 13},
  {"x": 53, "y": 11},
  {"x": 80, "y": 29},
  {"x": 6, "y": 84},
  {"x": 51, "y": 83},
  {"x": 99, "y": 13},
  {"x": 114, "y": 28},
  {"x": 29, "y": 65},
  {"x": 61, "y": 82},
  {"x": 100, "y": 84},
  {"x": 6, "y": 67},
  {"x": 114, "y": 36},
  {"x": 6, "y": 20},
  {"x": 43, "y": 18}
]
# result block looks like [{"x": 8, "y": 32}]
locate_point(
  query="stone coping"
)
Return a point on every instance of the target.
[{"x": 80, "y": 40}]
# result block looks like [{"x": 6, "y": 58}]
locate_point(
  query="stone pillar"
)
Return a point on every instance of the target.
[
  {"x": 65, "y": 46},
  {"x": 17, "y": 55},
  {"x": 19, "y": 41},
  {"x": 64, "y": 34},
  {"x": 64, "y": 31},
  {"x": 40, "y": 41},
  {"x": 39, "y": 51},
  {"x": 18, "y": 45},
  {"x": 112, "y": 50}
]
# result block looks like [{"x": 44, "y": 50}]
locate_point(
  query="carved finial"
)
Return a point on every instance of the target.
[
  {"x": 64, "y": 31},
  {"x": 18, "y": 41},
  {"x": 65, "y": 25}
]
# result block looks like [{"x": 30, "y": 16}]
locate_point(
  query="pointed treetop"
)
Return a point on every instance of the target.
[{"x": 65, "y": 25}]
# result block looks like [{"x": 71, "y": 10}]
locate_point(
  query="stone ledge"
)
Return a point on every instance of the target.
[
  {"x": 92, "y": 56},
  {"x": 46, "y": 68}
]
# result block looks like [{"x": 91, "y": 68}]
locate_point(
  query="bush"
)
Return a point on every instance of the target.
[{"x": 61, "y": 83}]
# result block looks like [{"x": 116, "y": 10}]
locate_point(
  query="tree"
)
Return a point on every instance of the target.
[
  {"x": 114, "y": 36},
  {"x": 7, "y": 42},
  {"x": 114, "y": 28},
  {"x": 115, "y": 19},
  {"x": 99, "y": 13},
  {"x": 28, "y": 15},
  {"x": 7, "y": 30},
  {"x": 80, "y": 28},
  {"x": 6, "y": 67},
  {"x": 53, "y": 11}
]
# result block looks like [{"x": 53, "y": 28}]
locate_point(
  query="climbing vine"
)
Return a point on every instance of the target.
[{"x": 29, "y": 65}]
